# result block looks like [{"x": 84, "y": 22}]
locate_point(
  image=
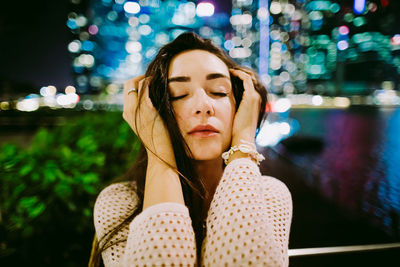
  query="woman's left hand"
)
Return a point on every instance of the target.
[
  {"x": 246, "y": 117},
  {"x": 146, "y": 122}
]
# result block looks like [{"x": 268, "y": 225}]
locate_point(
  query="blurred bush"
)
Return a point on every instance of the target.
[{"x": 47, "y": 191}]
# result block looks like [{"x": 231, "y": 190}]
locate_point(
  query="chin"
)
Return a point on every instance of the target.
[
  {"x": 205, "y": 156},
  {"x": 205, "y": 151}
]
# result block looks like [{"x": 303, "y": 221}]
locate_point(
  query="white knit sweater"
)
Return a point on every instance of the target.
[{"x": 248, "y": 224}]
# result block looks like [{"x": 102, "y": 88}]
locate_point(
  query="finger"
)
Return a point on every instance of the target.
[
  {"x": 245, "y": 77},
  {"x": 140, "y": 85},
  {"x": 253, "y": 75},
  {"x": 130, "y": 99},
  {"x": 139, "y": 82},
  {"x": 132, "y": 83},
  {"x": 143, "y": 91},
  {"x": 250, "y": 72},
  {"x": 250, "y": 93}
]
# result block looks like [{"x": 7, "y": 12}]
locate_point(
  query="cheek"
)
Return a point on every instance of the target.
[
  {"x": 231, "y": 109},
  {"x": 180, "y": 114},
  {"x": 227, "y": 113}
]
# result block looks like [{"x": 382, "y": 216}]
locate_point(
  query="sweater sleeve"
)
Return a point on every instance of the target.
[
  {"x": 161, "y": 234},
  {"x": 249, "y": 219},
  {"x": 115, "y": 203}
]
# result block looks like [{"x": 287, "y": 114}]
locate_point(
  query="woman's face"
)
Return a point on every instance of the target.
[{"x": 203, "y": 102}]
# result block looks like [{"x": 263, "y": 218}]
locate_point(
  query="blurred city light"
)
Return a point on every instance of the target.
[
  {"x": 68, "y": 100},
  {"x": 74, "y": 46},
  {"x": 385, "y": 3},
  {"x": 344, "y": 30},
  {"x": 51, "y": 90},
  {"x": 284, "y": 128},
  {"x": 132, "y": 7},
  {"x": 282, "y": 105},
  {"x": 343, "y": 45},
  {"x": 270, "y": 134},
  {"x": 93, "y": 29},
  {"x": 386, "y": 97},
  {"x": 205, "y": 9},
  {"x": 29, "y": 103},
  {"x": 359, "y": 6},
  {"x": 275, "y": 7},
  {"x": 70, "y": 90},
  {"x": 342, "y": 102},
  {"x": 88, "y": 104},
  {"x": 317, "y": 100},
  {"x": 4, "y": 105},
  {"x": 133, "y": 46},
  {"x": 396, "y": 39},
  {"x": 359, "y": 21}
]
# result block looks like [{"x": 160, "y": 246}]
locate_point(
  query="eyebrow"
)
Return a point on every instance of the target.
[{"x": 210, "y": 76}]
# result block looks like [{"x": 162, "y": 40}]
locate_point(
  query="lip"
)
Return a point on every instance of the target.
[{"x": 203, "y": 131}]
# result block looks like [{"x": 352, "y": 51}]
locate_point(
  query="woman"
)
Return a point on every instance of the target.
[{"x": 184, "y": 203}]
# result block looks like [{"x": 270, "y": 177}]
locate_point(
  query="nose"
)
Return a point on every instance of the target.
[{"x": 203, "y": 104}]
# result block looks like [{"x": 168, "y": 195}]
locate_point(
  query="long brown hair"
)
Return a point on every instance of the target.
[{"x": 193, "y": 187}]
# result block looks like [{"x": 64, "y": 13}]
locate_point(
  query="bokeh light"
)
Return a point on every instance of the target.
[
  {"x": 74, "y": 46},
  {"x": 70, "y": 89},
  {"x": 4, "y": 105},
  {"x": 29, "y": 103},
  {"x": 343, "y": 45},
  {"x": 359, "y": 6},
  {"x": 93, "y": 29},
  {"x": 395, "y": 39},
  {"x": 344, "y": 30},
  {"x": 132, "y": 7},
  {"x": 282, "y": 105},
  {"x": 317, "y": 100},
  {"x": 275, "y": 7},
  {"x": 342, "y": 102},
  {"x": 205, "y": 9}
]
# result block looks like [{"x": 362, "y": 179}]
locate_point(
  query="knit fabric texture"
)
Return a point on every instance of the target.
[{"x": 248, "y": 224}]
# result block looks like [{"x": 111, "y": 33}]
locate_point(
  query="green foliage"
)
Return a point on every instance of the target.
[{"x": 47, "y": 191}]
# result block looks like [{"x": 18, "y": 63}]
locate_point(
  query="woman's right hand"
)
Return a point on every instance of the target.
[
  {"x": 145, "y": 121},
  {"x": 246, "y": 117}
]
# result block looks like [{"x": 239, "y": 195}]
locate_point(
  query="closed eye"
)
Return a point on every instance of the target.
[
  {"x": 219, "y": 94},
  {"x": 173, "y": 98}
]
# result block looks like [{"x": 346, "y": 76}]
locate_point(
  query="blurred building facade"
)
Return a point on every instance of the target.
[{"x": 316, "y": 46}]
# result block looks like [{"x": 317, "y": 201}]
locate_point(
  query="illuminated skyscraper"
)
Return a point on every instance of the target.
[
  {"x": 268, "y": 38},
  {"x": 350, "y": 44}
]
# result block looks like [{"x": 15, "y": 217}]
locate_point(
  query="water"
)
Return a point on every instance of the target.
[{"x": 351, "y": 157}]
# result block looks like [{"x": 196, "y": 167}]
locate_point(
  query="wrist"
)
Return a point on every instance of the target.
[
  {"x": 239, "y": 155},
  {"x": 243, "y": 137},
  {"x": 244, "y": 149},
  {"x": 162, "y": 184},
  {"x": 165, "y": 159}
]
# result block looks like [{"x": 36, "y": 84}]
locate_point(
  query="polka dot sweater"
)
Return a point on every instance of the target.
[{"x": 248, "y": 224}]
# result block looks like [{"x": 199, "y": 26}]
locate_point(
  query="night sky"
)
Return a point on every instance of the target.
[{"x": 34, "y": 39}]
